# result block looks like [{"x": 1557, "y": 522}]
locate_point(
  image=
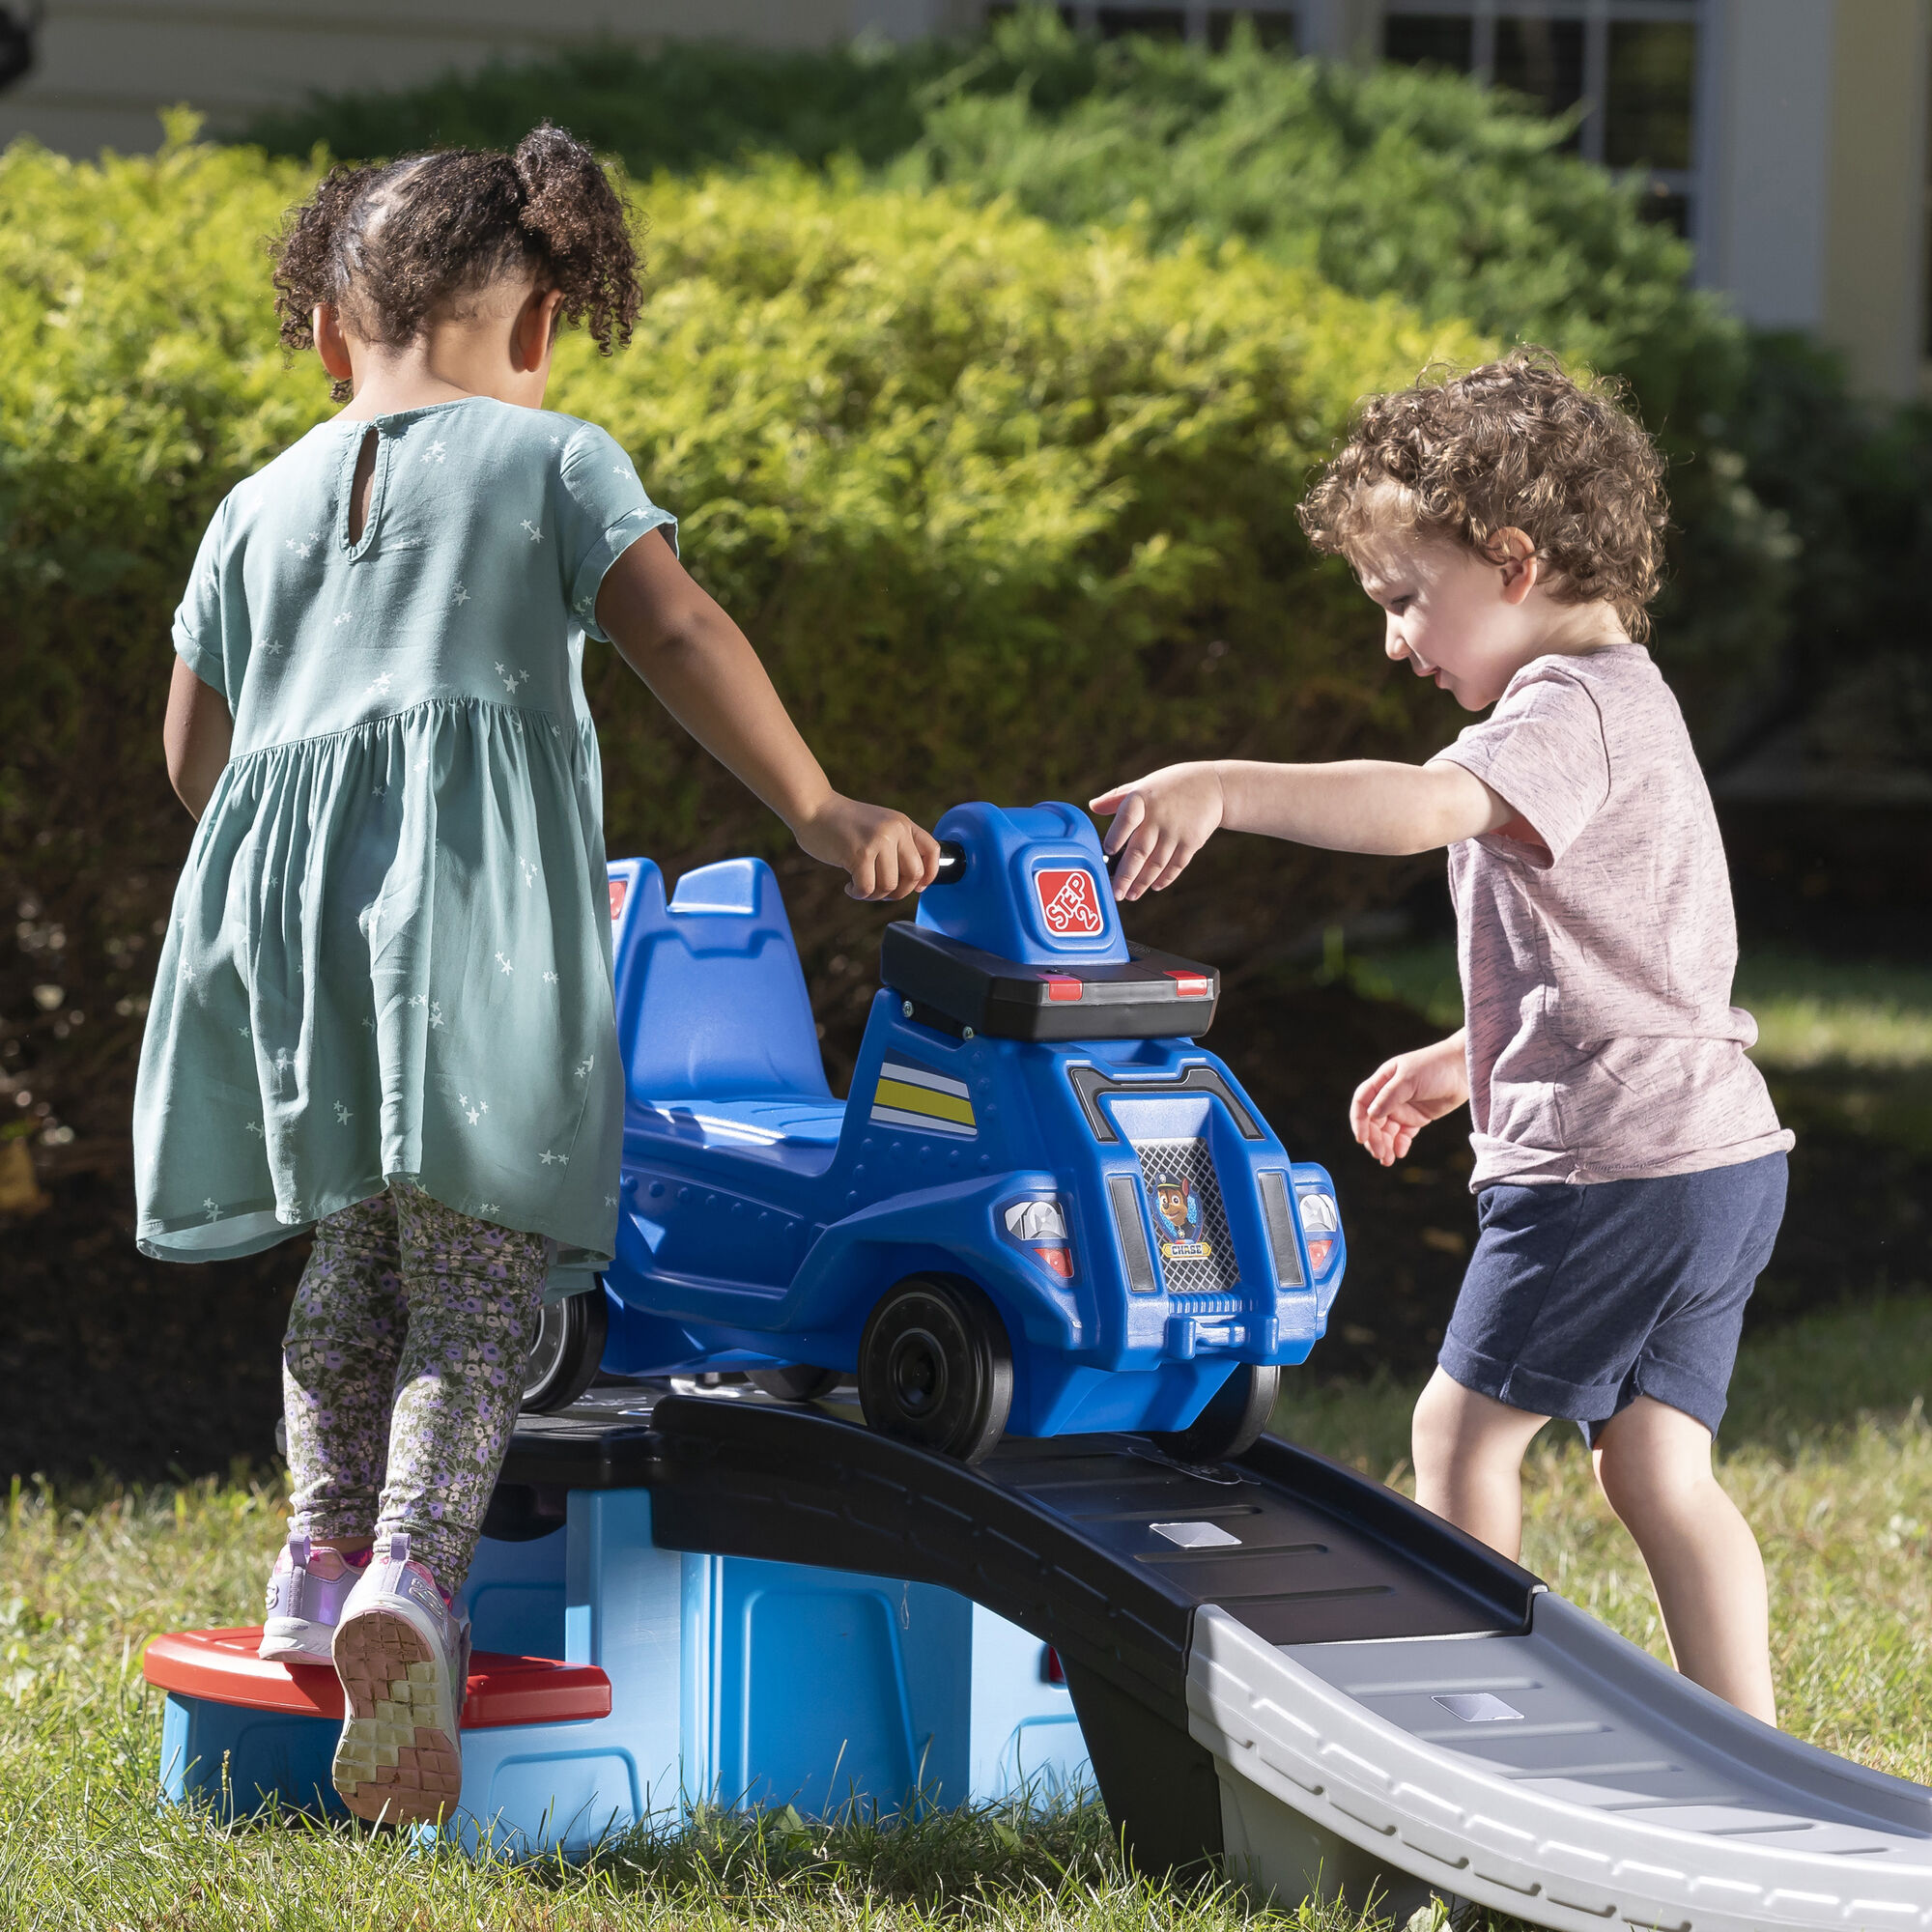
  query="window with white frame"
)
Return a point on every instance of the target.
[
  {"x": 1629, "y": 64},
  {"x": 1274, "y": 21}
]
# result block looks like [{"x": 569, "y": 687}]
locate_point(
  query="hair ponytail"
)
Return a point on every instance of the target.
[{"x": 577, "y": 220}]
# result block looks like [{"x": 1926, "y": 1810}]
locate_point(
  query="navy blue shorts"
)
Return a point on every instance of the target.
[{"x": 1578, "y": 1299}]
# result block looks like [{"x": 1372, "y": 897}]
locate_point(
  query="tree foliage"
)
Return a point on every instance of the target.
[{"x": 1010, "y": 516}]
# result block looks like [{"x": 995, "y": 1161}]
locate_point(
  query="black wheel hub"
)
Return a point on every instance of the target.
[{"x": 935, "y": 1369}]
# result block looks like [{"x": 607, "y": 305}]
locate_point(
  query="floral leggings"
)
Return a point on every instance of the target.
[{"x": 402, "y": 1371}]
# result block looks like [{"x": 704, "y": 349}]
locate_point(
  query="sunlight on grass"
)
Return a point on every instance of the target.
[
  {"x": 1813, "y": 1012},
  {"x": 1826, "y": 1449},
  {"x": 1810, "y": 1012}
]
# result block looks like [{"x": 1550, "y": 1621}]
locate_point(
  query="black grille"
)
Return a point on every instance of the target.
[{"x": 1188, "y": 1163}]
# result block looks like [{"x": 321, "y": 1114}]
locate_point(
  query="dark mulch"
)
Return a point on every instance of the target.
[{"x": 111, "y": 1361}]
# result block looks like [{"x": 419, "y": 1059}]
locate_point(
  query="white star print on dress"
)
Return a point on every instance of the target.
[
  {"x": 536, "y": 535},
  {"x": 434, "y": 453},
  {"x": 342, "y": 1115},
  {"x": 489, "y": 1207},
  {"x": 252, "y": 1127},
  {"x": 549, "y": 980},
  {"x": 461, "y": 595},
  {"x": 378, "y": 685},
  {"x": 301, "y": 546},
  {"x": 341, "y": 618},
  {"x": 585, "y": 1065},
  {"x": 559, "y": 1159},
  {"x": 213, "y": 1208},
  {"x": 436, "y": 1012},
  {"x": 505, "y": 965},
  {"x": 512, "y": 678},
  {"x": 529, "y": 873}
]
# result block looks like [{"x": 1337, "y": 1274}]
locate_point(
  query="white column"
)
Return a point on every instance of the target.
[{"x": 1766, "y": 196}]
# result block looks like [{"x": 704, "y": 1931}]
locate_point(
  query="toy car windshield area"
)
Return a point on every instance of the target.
[{"x": 1043, "y": 1209}]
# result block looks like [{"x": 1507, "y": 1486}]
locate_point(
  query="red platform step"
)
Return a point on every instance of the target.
[{"x": 222, "y": 1665}]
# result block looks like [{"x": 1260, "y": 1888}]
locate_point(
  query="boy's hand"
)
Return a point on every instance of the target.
[
  {"x": 887, "y": 854},
  {"x": 1160, "y": 823},
  {"x": 1403, "y": 1094}
]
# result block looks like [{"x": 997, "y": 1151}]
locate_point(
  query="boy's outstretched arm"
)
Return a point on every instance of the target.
[
  {"x": 1356, "y": 805},
  {"x": 706, "y": 673}
]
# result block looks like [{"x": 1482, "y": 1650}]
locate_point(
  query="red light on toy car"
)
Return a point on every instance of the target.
[
  {"x": 1189, "y": 985},
  {"x": 1063, "y": 988},
  {"x": 1318, "y": 1251},
  {"x": 1051, "y": 1669},
  {"x": 619, "y": 891},
  {"x": 1059, "y": 1260}
]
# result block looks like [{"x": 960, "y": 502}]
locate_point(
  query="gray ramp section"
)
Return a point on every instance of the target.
[{"x": 1562, "y": 1775}]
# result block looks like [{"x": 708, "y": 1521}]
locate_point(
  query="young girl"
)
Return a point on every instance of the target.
[
  {"x": 384, "y": 1007},
  {"x": 1629, "y": 1167}
]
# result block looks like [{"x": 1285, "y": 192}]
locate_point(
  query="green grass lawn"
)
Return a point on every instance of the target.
[
  {"x": 1828, "y": 1449},
  {"x": 1812, "y": 1014}
]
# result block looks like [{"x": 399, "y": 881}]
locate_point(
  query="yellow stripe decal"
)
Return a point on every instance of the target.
[{"x": 909, "y": 1099}]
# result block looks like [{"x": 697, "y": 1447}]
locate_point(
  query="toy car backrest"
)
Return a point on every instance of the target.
[{"x": 711, "y": 1001}]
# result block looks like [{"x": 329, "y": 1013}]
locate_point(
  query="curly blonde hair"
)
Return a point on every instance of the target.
[{"x": 1513, "y": 444}]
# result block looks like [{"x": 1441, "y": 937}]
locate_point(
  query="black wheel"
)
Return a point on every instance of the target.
[
  {"x": 935, "y": 1367},
  {"x": 1236, "y": 1413},
  {"x": 569, "y": 1345},
  {"x": 796, "y": 1381}
]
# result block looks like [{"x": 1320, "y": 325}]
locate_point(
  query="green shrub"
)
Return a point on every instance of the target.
[
  {"x": 1384, "y": 181},
  {"x": 1009, "y": 517}
]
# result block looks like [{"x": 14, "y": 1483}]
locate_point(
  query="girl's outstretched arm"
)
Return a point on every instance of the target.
[
  {"x": 1356, "y": 805},
  {"x": 195, "y": 738},
  {"x": 706, "y": 673}
]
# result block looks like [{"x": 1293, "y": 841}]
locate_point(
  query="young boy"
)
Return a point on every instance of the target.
[{"x": 1629, "y": 1169}]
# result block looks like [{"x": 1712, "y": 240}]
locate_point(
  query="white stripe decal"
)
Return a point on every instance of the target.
[
  {"x": 917, "y": 1077},
  {"x": 925, "y": 1124}
]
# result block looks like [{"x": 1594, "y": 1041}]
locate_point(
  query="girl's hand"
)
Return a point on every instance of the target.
[
  {"x": 1403, "y": 1094},
  {"x": 1160, "y": 823},
  {"x": 887, "y": 854}
]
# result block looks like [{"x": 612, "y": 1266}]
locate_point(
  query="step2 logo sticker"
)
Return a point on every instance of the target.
[
  {"x": 1069, "y": 901},
  {"x": 1177, "y": 1212}
]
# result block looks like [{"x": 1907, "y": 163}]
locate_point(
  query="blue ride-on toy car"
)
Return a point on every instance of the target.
[{"x": 1043, "y": 1209}]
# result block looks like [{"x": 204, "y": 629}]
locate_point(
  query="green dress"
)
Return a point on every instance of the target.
[{"x": 389, "y": 955}]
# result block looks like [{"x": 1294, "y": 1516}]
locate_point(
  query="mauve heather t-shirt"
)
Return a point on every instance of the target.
[{"x": 1596, "y": 939}]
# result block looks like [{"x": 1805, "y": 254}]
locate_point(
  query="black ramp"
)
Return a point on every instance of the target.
[{"x": 1097, "y": 1544}]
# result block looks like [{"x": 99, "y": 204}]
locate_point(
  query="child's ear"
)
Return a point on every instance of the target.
[
  {"x": 1513, "y": 551},
  {"x": 330, "y": 343}
]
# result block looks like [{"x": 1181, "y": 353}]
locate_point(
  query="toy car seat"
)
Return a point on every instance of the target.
[{"x": 711, "y": 1001}]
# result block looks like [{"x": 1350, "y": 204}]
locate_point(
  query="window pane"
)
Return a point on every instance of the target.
[
  {"x": 1668, "y": 208},
  {"x": 1441, "y": 40},
  {"x": 1271, "y": 30},
  {"x": 1647, "y": 114},
  {"x": 1170, "y": 23},
  {"x": 1543, "y": 59}
]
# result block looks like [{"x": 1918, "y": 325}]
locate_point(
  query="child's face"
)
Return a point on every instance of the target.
[{"x": 1453, "y": 616}]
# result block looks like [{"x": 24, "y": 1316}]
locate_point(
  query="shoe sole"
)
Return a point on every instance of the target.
[{"x": 398, "y": 1761}]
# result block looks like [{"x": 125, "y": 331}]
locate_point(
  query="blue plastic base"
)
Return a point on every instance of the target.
[{"x": 733, "y": 1682}]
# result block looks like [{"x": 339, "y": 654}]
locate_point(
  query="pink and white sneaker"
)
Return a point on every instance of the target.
[
  {"x": 308, "y": 1589},
  {"x": 403, "y": 1657}
]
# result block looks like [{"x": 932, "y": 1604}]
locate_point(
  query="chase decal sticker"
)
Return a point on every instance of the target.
[
  {"x": 928, "y": 1102},
  {"x": 1176, "y": 1213}
]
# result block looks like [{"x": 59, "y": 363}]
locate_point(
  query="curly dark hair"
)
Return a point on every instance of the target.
[
  {"x": 396, "y": 243},
  {"x": 1517, "y": 445}
]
